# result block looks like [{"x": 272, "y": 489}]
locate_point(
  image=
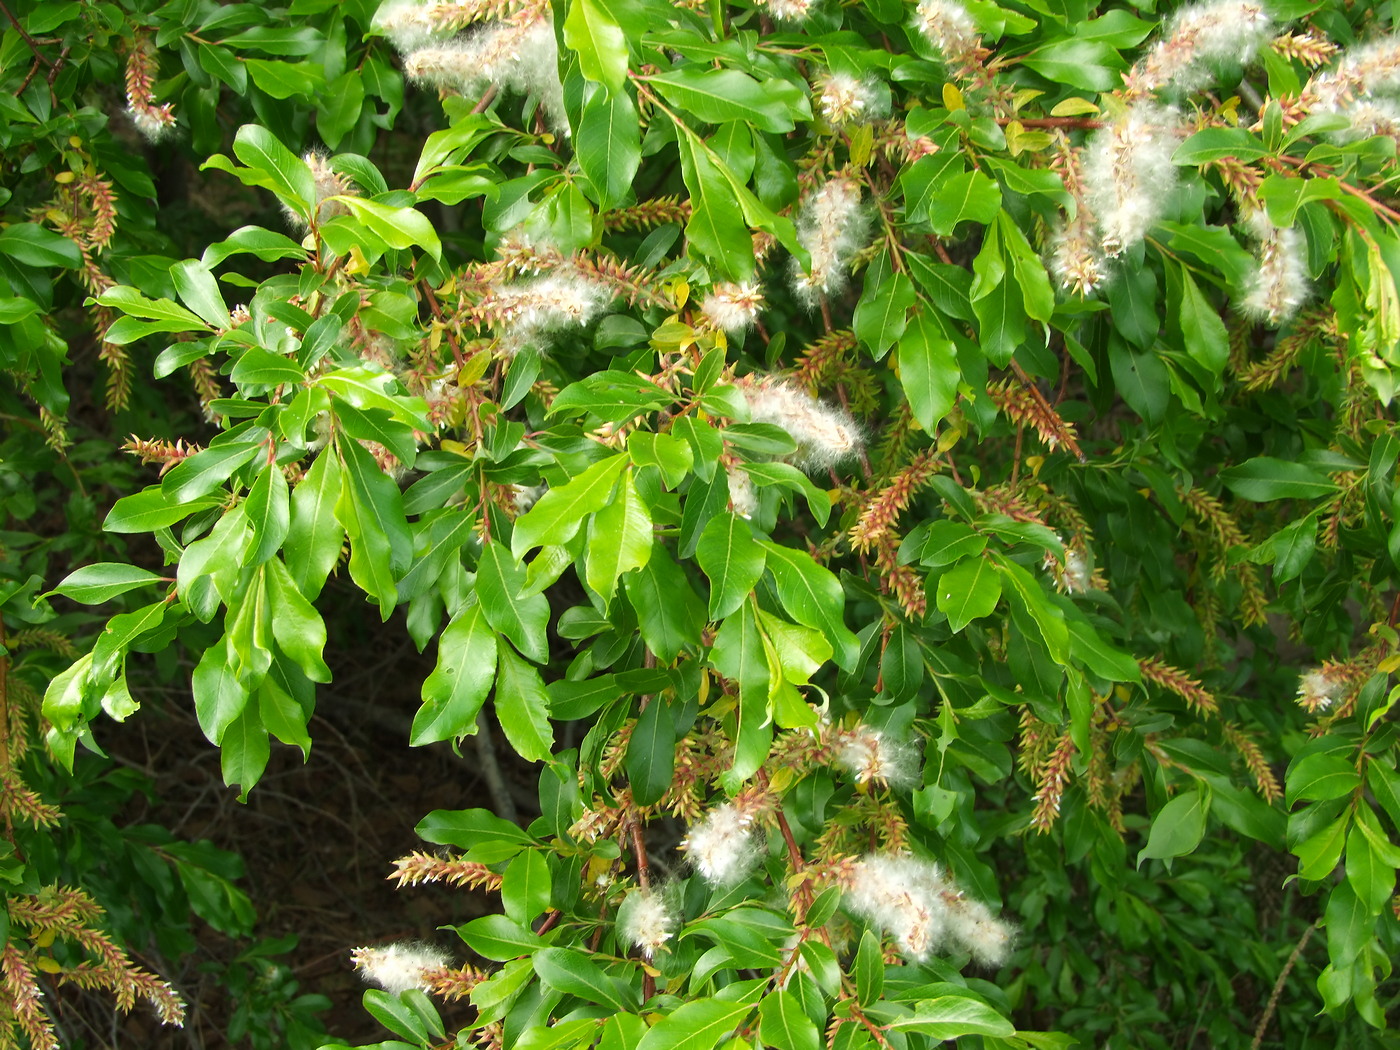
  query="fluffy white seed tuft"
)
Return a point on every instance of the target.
[
  {"x": 398, "y": 967},
  {"x": 915, "y": 903},
  {"x": 534, "y": 310},
  {"x": 844, "y": 99},
  {"x": 515, "y": 56},
  {"x": 787, "y": 10},
  {"x": 832, "y": 225},
  {"x": 1198, "y": 36},
  {"x": 646, "y": 921},
  {"x": 825, "y": 435},
  {"x": 949, "y": 27},
  {"x": 1321, "y": 687},
  {"x": 1279, "y": 282},
  {"x": 743, "y": 497},
  {"x": 869, "y": 754},
  {"x": 724, "y": 846},
  {"x": 1129, "y": 174},
  {"x": 732, "y": 307}
]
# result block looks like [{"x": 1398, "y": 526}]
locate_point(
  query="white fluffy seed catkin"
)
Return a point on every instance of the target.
[
  {"x": 518, "y": 56},
  {"x": 1196, "y": 37},
  {"x": 724, "y": 846},
  {"x": 398, "y": 967},
  {"x": 732, "y": 307},
  {"x": 949, "y": 27},
  {"x": 871, "y": 755},
  {"x": 843, "y": 99},
  {"x": 1129, "y": 175},
  {"x": 916, "y": 904},
  {"x": 1279, "y": 283},
  {"x": 646, "y": 922},
  {"x": 825, "y": 435},
  {"x": 534, "y": 310},
  {"x": 832, "y": 225}
]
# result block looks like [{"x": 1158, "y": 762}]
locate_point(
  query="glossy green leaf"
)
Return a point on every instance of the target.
[
  {"x": 460, "y": 682},
  {"x": 522, "y": 706},
  {"x": 968, "y": 591}
]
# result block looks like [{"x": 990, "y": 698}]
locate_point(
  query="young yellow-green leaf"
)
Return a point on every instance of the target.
[
  {"x": 522, "y": 707},
  {"x": 733, "y": 561},
  {"x": 500, "y": 581},
  {"x": 619, "y": 539},
  {"x": 968, "y": 591},
  {"x": 561, "y": 511},
  {"x": 396, "y": 227},
  {"x": 459, "y": 683}
]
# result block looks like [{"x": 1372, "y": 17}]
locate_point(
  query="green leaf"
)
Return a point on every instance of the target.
[
  {"x": 783, "y": 1023},
  {"x": 396, "y": 227},
  {"x": 1264, "y": 478},
  {"x": 609, "y": 145},
  {"x": 259, "y": 367},
  {"x": 716, "y": 228},
  {"x": 948, "y": 541},
  {"x": 968, "y": 195},
  {"x": 522, "y": 707},
  {"x": 1214, "y": 144},
  {"x": 103, "y": 581},
  {"x": 1371, "y": 878},
  {"x": 1088, "y": 648},
  {"x": 561, "y": 511},
  {"x": 589, "y": 29},
  {"x": 669, "y": 614},
  {"x": 574, "y": 973},
  {"x": 526, "y": 886},
  {"x": 1028, "y": 596},
  {"x": 338, "y": 109},
  {"x": 789, "y": 477},
  {"x": 1349, "y": 925},
  {"x": 1320, "y": 776},
  {"x": 219, "y": 697},
  {"x": 869, "y": 969},
  {"x": 33, "y": 245},
  {"x": 651, "y": 753},
  {"x": 370, "y": 509},
  {"x": 1092, "y": 65},
  {"x": 243, "y": 751},
  {"x": 499, "y": 939},
  {"x": 696, "y": 1025},
  {"x": 268, "y": 507},
  {"x": 459, "y": 683},
  {"x": 880, "y": 317},
  {"x": 256, "y": 241},
  {"x": 619, "y": 539},
  {"x": 500, "y": 581},
  {"x": 951, "y": 1016},
  {"x": 205, "y": 471},
  {"x": 732, "y": 559},
  {"x": 719, "y": 95},
  {"x": 1178, "y": 827},
  {"x": 296, "y": 625},
  {"x": 314, "y": 535},
  {"x": 279, "y": 169},
  {"x": 968, "y": 591},
  {"x": 928, "y": 371},
  {"x": 813, "y": 596},
  {"x": 148, "y": 510},
  {"x": 1203, "y": 332}
]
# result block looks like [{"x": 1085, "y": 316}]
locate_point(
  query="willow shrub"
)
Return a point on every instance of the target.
[{"x": 918, "y": 482}]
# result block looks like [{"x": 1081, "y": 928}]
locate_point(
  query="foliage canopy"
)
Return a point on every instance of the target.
[{"x": 918, "y": 482}]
